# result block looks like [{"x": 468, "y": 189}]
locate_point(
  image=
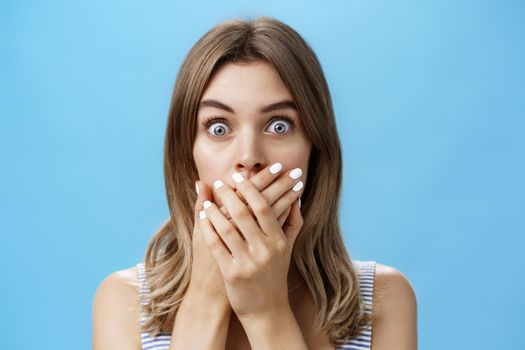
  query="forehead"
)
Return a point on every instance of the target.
[{"x": 254, "y": 81}]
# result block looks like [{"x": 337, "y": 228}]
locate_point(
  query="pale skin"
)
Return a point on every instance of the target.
[{"x": 263, "y": 210}]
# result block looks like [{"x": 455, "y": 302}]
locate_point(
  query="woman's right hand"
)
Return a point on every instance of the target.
[{"x": 206, "y": 280}]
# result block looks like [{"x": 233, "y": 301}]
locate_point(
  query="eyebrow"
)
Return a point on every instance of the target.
[{"x": 271, "y": 107}]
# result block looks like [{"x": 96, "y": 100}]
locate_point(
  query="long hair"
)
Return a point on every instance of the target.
[{"x": 319, "y": 250}]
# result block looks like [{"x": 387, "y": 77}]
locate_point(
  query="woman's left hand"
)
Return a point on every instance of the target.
[{"x": 256, "y": 272}]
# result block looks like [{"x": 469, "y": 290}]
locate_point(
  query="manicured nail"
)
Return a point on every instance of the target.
[
  {"x": 206, "y": 204},
  {"x": 218, "y": 183},
  {"x": 196, "y": 187},
  {"x": 298, "y": 186},
  {"x": 202, "y": 215},
  {"x": 275, "y": 168},
  {"x": 237, "y": 177},
  {"x": 296, "y": 173}
]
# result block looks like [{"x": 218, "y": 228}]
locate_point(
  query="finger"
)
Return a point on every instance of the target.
[
  {"x": 203, "y": 193},
  {"x": 261, "y": 180},
  {"x": 280, "y": 186},
  {"x": 262, "y": 209},
  {"x": 285, "y": 201},
  {"x": 284, "y": 216},
  {"x": 201, "y": 188},
  {"x": 219, "y": 251},
  {"x": 264, "y": 178},
  {"x": 201, "y": 197},
  {"x": 283, "y": 184},
  {"x": 225, "y": 230},
  {"x": 240, "y": 214}
]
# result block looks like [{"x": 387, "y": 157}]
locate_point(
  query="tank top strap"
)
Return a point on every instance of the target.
[
  {"x": 162, "y": 340},
  {"x": 143, "y": 289},
  {"x": 366, "y": 273}
]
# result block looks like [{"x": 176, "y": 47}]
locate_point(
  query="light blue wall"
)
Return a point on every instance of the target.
[{"x": 429, "y": 98}]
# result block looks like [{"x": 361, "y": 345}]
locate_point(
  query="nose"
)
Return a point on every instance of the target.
[{"x": 250, "y": 156}]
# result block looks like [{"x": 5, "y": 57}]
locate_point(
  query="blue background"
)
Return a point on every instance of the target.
[{"x": 429, "y": 98}]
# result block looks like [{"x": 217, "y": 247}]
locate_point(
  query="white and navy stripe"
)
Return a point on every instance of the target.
[{"x": 366, "y": 272}]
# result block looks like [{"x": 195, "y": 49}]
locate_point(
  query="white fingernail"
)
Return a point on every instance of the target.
[
  {"x": 218, "y": 184},
  {"x": 202, "y": 215},
  {"x": 275, "y": 168},
  {"x": 298, "y": 186},
  {"x": 296, "y": 173},
  {"x": 237, "y": 177},
  {"x": 206, "y": 204},
  {"x": 196, "y": 187}
]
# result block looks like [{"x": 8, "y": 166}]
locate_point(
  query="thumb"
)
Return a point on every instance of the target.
[{"x": 293, "y": 223}]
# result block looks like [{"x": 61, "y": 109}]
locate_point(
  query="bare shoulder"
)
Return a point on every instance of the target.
[
  {"x": 116, "y": 312},
  {"x": 395, "y": 310}
]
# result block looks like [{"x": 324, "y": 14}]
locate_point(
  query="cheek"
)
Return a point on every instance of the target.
[
  {"x": 208, "y": 161},
  {"x": 297, "y": 157},
  {"x": 294, "y": 157}
]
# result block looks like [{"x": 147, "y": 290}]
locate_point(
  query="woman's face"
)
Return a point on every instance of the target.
[{"x": 246, "y": 136}]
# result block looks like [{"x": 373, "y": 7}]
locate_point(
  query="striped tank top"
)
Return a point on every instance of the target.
[{"x": 366, "y": 272}]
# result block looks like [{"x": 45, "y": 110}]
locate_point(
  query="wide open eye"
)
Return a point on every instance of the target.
[
  {"x": 216, "y": 126},
  {"x": 279, "y": 126}
]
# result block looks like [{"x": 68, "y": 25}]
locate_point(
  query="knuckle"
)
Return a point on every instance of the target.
[
  {"x": 224, "y": 211},
  {"x": 265, "y": 258},
  {"x": 234, "y": 224},
  {"x": 269, "y": 199},
  {"x": 241, "y": 212},
  {"x": 281, "y": 246},
  {"x": 214, "y": 243},
  {"x": 263, "y": 208},
  {"x": 249, "y": 271},
  {"x": 240, "y": 275},
  {"x": 231, "y": 276},
  {"x": 229, "y": 231}
]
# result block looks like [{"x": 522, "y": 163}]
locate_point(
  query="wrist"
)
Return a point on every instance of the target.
[
  {"x": 274, "y": 330},
  {"x": 200, "y": 323},
  {"x": 267, "y": 317},
  {"x": 198, "y": 302}
]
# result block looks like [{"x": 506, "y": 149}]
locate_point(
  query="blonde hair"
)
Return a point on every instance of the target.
[{"x": 319, "y": 250}]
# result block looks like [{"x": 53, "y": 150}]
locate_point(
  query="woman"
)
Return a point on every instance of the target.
[{"x": 252, "y": 255}]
